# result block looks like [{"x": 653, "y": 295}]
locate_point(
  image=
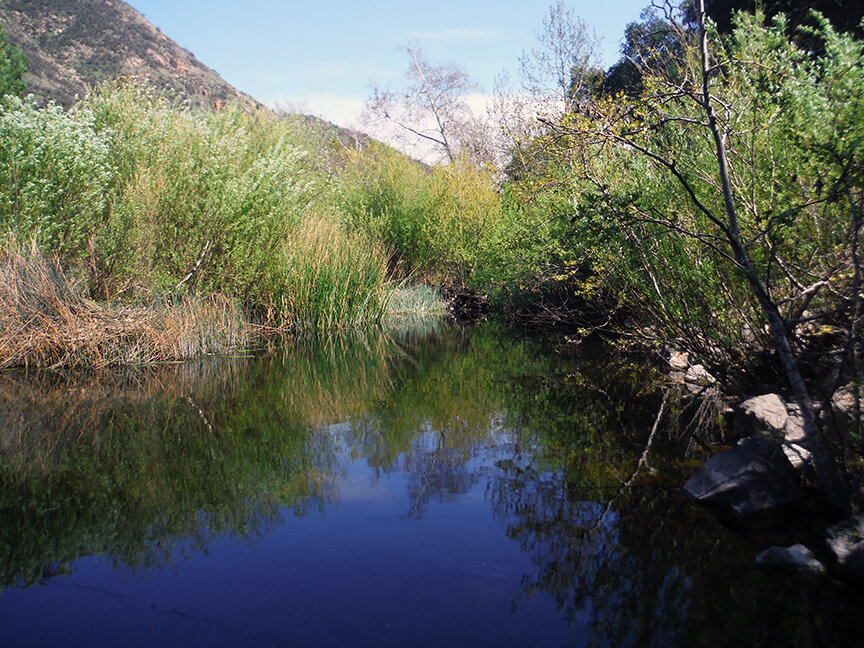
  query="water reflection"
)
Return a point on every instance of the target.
[
  {"x": 643, "y": 567},
  {"x": 148, "y": 466}
]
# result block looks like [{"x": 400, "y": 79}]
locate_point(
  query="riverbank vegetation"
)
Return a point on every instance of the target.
[
  {"x": 136, "y": 201},
  {"x": 705, "y": 193}
]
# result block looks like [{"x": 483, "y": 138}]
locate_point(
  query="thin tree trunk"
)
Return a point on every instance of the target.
[{"x": 827, "y": 471}]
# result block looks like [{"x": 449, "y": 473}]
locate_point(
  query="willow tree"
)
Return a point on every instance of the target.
[{"x": 726, "y": 201}]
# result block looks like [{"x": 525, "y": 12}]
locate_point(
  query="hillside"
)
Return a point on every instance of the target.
[{"x": 72, "y": 45}]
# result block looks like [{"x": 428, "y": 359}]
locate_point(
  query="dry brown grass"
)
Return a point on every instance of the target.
[{"x": 46, "y": 322}]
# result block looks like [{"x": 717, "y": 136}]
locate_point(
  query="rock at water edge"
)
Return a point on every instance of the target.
[
  {"x": 754, "y": 476},
  {"x": 794, "y": 558},
  {"x": 768, "y": 409}
]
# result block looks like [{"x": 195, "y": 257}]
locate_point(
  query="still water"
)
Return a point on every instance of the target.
[{"x": 438, "y": 487}]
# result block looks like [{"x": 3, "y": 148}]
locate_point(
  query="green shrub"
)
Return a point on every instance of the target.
[
  {"x": 441, "y": 223},
  {"x": 244, "y": 194},
  {"x": 55, "y": 175},
  {"x": 13, "y": 66},
  {"x": 141, "y": 198}
]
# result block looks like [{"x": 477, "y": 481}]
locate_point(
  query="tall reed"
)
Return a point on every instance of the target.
[{"x": 334, "y": 279}]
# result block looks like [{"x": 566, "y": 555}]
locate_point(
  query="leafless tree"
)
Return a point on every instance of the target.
[
  {"x": 552, "y": 78},
  {"x": 555, "y": 73},
  {"x": 431, "y": 109}
]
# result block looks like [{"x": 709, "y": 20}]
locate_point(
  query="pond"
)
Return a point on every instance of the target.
[{"x": 445, "y": 486}]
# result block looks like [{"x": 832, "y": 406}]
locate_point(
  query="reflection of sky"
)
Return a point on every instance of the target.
[{"x": 361, "y": 572}]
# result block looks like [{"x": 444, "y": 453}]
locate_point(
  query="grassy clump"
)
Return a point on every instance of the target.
[
  {"x": 335, "y": 278},
  {"x": 416, "y": 299}
]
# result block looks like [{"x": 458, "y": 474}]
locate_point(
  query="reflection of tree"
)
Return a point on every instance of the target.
[
  {"x": 145, "y": 464},
  {"x": 149, "y": 482},
  {"x": 446, "y": 406},
  {"x": 472, "y": 388},
  {"x": 437, "y": 469},
  {"x": 648, "y": 569},
  {"x": 614, "y": 542},
  {"x": 129, "y": 467},
  {"x": 579, "y": 560}
]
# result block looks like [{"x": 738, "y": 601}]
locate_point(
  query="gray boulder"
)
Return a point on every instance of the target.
[
  {"x": 698, "y": 379},
  {"x": 793, "y": 432},
  {"x": 846, "y": 540},
  {"x": 768, "y": 409},
  {"x": 772, "y": 413},
  {"x": 844, "y": 399},
  {"x": 794, "y": 558},
  {"x": 755, "y": 476},
  {"x": 679, "y": 361},
  {"x": 798, "y": 455}
]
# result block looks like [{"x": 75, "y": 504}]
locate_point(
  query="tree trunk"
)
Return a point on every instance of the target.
[{"x": 827, "y": 470}]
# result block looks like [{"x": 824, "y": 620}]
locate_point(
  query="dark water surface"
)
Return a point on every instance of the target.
[{"x": 453, "y": 487}]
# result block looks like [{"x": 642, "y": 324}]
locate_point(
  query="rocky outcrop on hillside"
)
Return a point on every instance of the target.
[{"x": 71, "y": 45}]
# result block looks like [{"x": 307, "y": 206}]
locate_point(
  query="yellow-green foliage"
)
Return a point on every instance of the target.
[
  {"x": 442, "y": 222},
  {"x": 465, "y": 217},
  {"x": 648, "y": 207}
]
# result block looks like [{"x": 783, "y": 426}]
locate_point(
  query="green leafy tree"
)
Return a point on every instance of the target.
[
  {"x": 725, "y": 204},
  {"x": 844, "y": 16},
  {"x": 13, "y": 66}
]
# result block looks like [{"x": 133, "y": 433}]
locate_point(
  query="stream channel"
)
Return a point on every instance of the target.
[{"x": 433, "y": 486}]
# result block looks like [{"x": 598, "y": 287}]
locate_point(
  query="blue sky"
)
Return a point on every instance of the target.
[{"x": 320, "y": 56}]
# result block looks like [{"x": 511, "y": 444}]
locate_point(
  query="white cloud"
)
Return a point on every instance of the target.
[{"x": 479, "y": 103}]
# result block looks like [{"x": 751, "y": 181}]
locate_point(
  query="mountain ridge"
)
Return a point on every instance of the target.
[{"x": 72, "y": 45}]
